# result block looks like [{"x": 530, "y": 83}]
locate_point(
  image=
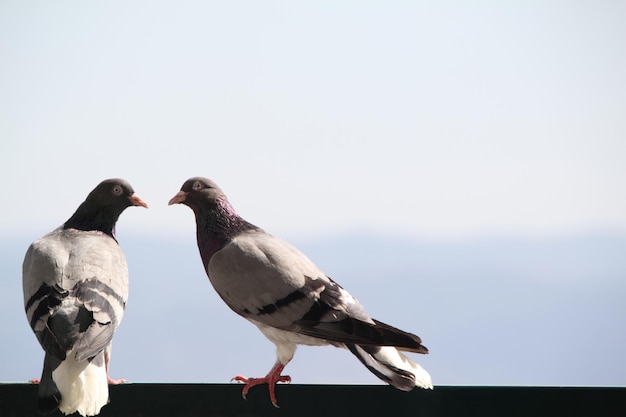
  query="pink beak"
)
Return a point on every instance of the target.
[
  {"x": 137, "y": 201},
  {"x": 178, "y": 198}
]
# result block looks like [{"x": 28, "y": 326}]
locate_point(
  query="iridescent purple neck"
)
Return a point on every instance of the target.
[{"x": 216, "y": 226}]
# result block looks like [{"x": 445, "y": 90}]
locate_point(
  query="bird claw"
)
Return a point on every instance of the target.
[
  {"x": 239, "y": 378},
  {"x": 270, "y": 379},
  {"x": 111, "y": 381}
]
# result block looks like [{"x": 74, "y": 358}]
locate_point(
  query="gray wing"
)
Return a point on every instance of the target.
[
  {"x": 268, "y": 281},
  {"x": 75, "y": 289}
]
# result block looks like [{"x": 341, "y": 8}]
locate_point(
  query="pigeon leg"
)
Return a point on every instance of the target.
[
  {"x": 110, "y": 380},
  {"x": 271, "y": 379}
]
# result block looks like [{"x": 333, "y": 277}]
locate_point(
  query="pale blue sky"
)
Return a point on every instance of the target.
[
  {"x": 416, "y": 120},
  {"x": 425, "y": 118}
]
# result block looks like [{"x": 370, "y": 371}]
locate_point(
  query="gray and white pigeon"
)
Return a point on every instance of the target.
[
  {"x": 275, "y": 286},
  {"x": 75, "y": 282}
]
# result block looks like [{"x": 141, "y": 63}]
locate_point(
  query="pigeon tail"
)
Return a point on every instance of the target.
[
  {"x": 83, "y": 385},
  {"x": 48, "y": 395},
  {"x": 392, "y": 367}
]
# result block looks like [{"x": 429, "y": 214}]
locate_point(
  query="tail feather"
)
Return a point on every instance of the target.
[
  {"x": 392, "y": 367},
  {"x": 400, "y": 339},
  {"x": 359, "y": 332},
  {"x": 82, "y": 384},
  {"x": 48, "y": 395}
]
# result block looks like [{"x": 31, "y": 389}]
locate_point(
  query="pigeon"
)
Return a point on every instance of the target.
[
  {"x": 75, "y": 282},
  {"x": 279, "y": 289}
]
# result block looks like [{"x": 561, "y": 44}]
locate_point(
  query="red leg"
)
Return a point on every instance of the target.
[{"x": 271, "y": 379}]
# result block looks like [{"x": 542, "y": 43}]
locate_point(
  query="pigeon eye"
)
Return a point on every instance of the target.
[
  {"x": 117, "y": 190},
  {"x": 197, "y": 186}
]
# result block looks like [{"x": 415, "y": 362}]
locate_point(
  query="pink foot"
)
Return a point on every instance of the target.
[
  {"x": 111, "y": 381},
  {"x": 115, "y": 381},
  {"x": 271, "y": 379}
]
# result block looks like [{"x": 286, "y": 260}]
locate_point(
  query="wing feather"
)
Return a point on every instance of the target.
[
  {"x": 270, "y": 282},
  {"x": 75, "y": 290}
]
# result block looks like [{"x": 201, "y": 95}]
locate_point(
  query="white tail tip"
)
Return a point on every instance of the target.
[{"x": 83, "y": 386}]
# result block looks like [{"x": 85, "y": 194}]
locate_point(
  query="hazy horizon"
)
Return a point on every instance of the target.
[{"x": 505, "y": 311}]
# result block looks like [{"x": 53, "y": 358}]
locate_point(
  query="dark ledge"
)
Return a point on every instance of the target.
[{"x": 187, "y": 400}]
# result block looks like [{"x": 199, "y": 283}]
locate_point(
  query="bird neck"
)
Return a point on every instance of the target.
[
  {"x": 91, "y": 218},
  {"x": 216, "y": 226}
]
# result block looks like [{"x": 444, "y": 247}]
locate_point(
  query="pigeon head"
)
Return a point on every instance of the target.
[
  {"x": 200, "y": 193},
  {"x": 103, "y": 206},
  {"x": 216, "y": 220}
]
